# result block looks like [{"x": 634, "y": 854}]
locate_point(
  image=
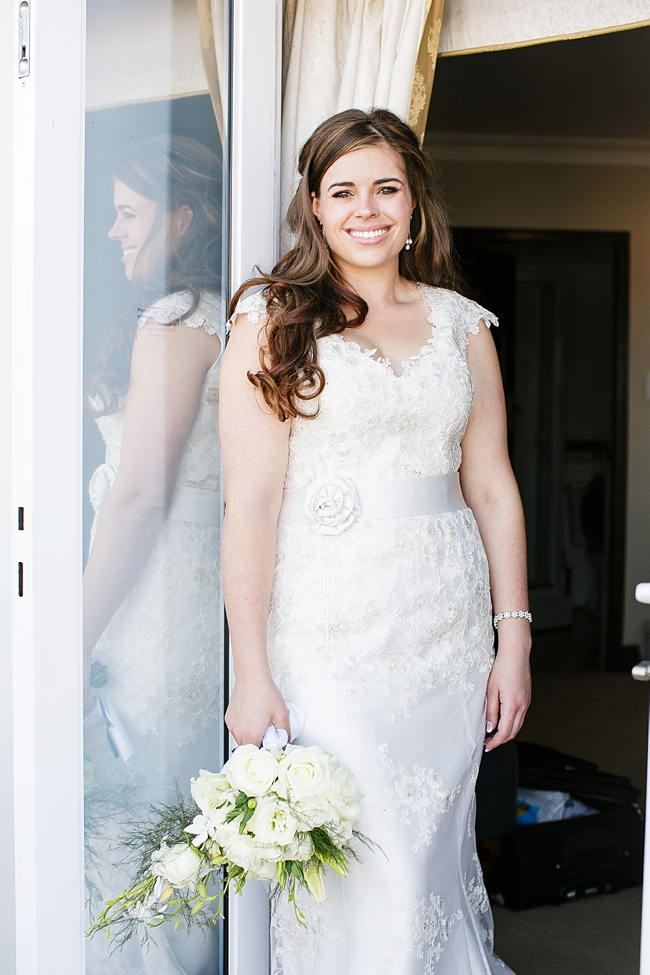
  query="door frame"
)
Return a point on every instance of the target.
[
  {"x": 254, "y": 240},
  {"x": 615, "y": 655},
  {"x": 41, "y": 774}
]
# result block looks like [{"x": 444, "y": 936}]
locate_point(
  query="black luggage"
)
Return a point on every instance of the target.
[{"x": 547, "y": 863}]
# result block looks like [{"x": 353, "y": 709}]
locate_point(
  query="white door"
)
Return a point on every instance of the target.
[
  {"x": 642, "y": 672},
  {"x": 83, "y": 82}
]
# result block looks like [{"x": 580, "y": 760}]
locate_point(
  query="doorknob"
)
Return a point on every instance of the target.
[
  {"x": 642, "y": 592},
  {"x": 641, "y": 671}
]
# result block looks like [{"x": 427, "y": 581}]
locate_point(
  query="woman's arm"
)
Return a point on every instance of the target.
[
  {"x": 168, "y": 367},
  {"x": 254, "y": 449},
  {"x": 491, "y": 492}
]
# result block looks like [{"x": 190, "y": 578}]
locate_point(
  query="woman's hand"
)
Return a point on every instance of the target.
[
  {"x": 508, "y": 694},
  {"x": 254, "y": 705}
]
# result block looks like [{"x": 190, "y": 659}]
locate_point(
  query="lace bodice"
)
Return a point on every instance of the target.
[
  {"x": 361, "y": 433},
  {"x": 199, "y": 465}
]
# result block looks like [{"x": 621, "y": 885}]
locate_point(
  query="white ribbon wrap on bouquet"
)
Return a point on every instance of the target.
[{"x": 277, "y": 737}]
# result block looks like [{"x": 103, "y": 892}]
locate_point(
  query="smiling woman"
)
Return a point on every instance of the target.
[{"x": 362, "y": 545}]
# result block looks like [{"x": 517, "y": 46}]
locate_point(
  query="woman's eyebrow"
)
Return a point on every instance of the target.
[
  {"x": 384, "y": 179},
  {"x": 123, "y": 206}
]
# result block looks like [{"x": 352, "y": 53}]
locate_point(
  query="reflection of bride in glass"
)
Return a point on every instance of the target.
[{"x": 152, "y": 616}]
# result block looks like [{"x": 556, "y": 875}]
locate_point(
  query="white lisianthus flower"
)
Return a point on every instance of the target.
[
  {"x": 306, "y": 771},
  {"x": 341, "y": 831},
  {"x": 301, "y": 848},
  {"x": 272, "y": 822},
  {"x": 263, "y": 869},
  {"x": 210, "y": 790},
  {"x": 217, "y": 817},
  {"x": 252, "y": 770},
  {"x": 180, "y": 865},
  {"x": 313, "y": 811}
]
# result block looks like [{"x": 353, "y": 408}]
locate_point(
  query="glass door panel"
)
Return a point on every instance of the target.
[{"x": 154, "y": 313}]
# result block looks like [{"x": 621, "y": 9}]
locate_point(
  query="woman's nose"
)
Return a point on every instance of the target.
[
  {"x": 366, "y": 206},
  {"x": 116, "y": 231}
]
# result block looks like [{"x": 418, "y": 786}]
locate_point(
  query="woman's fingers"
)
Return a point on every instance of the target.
[
  {"x": 250, "y": 713},
  {"x": 492, "y": 713}
]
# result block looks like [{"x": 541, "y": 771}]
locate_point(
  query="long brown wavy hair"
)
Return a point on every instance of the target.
[
  {"x": 173, "y": 171},
  {"x": 305, "y": 292}
]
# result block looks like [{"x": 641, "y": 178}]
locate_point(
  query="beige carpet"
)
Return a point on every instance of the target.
[
  {"x": 603, "y": 717},
  {"x": 597, "y": 936}
]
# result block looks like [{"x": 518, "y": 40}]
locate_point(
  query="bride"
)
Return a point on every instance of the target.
[
  {"x": 152, "y": 607},
  {"x": 373, "y": 527}
]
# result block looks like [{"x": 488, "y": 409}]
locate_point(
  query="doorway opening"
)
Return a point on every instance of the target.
[{"x": 562, "y": 299}]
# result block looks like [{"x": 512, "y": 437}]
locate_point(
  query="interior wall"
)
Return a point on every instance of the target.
[{"x": 558, "y": 196}]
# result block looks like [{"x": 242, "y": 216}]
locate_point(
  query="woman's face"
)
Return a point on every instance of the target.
[
  {"x": 365, "y": 206},
  {"x": 146, "y": 237}
]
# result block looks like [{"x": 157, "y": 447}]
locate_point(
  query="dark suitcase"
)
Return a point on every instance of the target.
[
  {"x": 548, "y": 863},
  {"x": 541, "y": 767}
]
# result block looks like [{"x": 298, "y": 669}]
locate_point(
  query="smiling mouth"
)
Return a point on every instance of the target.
[
  {"x": 369, "y": 235},
  {"x": 128, "y": 252}
]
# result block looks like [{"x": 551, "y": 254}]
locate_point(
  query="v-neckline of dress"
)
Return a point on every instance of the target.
[{"x": 383, "y": 361}]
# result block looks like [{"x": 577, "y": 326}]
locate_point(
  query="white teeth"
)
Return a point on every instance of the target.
[{"x": 367, "y": 233}]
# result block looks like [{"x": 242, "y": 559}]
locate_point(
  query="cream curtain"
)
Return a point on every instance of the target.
[
  {"x": 342, "y": 54},
  {"x": 470, "y": 26},
  {"x": 214, "y": 54}
]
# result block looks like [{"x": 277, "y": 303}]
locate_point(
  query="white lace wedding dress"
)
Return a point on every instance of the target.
[
  {"x": 380, "y": 630},
  {"x": 162, "y": 656}
]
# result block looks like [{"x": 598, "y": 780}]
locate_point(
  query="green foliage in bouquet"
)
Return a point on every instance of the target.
[
  {"x": 149, "y": 901},
  {"x": 279, "y": 815}
]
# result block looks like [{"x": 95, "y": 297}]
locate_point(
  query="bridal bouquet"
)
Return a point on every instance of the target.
[{"x": 281, "y": 815}]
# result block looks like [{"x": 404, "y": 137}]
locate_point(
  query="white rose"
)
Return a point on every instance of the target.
[
  {"x": 239, "y": 847},
  {"x": 305, "y": 771},
  {"x": 180, "y": 865},
  {"x": 272, "y": 822},
  {"x": 252, "y": 770},
  {"x": 209, "y": 790},
  {"x": 343, "y": 794}
]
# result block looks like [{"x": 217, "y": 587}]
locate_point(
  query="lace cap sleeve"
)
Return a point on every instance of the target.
[
  {"x": 209, "y": 313},
  {"x": 252, "y": 305},
  {"x": 471, "y": 314}
]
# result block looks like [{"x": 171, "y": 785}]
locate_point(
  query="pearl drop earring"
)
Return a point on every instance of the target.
[{"x": 409, "y": 239}]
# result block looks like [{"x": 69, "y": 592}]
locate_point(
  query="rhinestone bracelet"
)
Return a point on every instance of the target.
[{"x": 510, "y": 614}]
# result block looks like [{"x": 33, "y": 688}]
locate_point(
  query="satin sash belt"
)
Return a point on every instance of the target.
[
  {"x": 332, "y": 503},
  {"x": 195, "y": 504}
]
